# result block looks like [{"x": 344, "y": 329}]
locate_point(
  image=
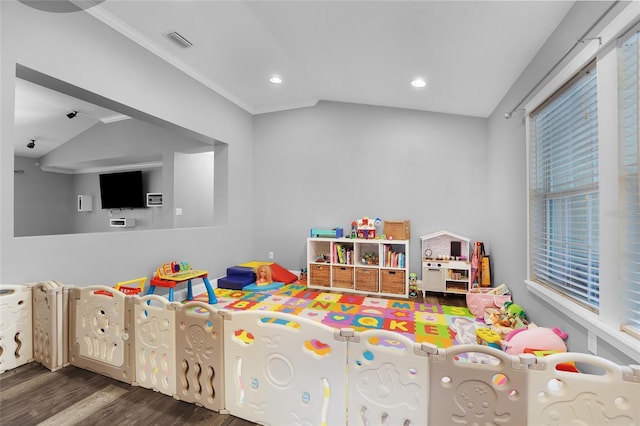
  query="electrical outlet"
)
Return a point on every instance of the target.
[
  {"x": 592, "y": 342},
  {"x": 270, "y": 255}
]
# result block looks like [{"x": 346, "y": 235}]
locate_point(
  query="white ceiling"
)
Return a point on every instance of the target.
[
  {"x": 470, "y": 52},
  {"x": 41, "y": 115}
]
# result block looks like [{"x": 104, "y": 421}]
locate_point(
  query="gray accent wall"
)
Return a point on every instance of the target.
[{"x": 331, "y": 164}]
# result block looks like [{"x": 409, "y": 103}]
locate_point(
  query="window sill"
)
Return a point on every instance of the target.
[{"x": 627, "y": 344}]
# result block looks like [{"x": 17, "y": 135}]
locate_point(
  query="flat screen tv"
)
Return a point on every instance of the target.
[{"x": 122, "y": 190}]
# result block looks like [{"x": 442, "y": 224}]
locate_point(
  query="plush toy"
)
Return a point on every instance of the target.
[
  {"x": 535, "y": 338},
  {"x": 514, "y": 310},
  {"x": 502, "y": 323}
]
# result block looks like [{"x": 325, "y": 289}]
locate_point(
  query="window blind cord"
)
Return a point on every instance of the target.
[{"x": 581, "y": 40}]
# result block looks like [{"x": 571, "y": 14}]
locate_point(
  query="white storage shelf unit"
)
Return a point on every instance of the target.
[{"x": 365, "y": 266}]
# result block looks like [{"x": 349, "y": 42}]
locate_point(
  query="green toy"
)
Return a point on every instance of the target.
[{"x": 514, "y": 310}]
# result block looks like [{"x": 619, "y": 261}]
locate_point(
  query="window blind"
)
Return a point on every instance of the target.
[
  {"x": 629, "y": 97},
  {"x": 564, "y": 190}
]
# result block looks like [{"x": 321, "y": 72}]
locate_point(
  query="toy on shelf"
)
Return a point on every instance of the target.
[
  {"x": 366, "y": 228},
  {"x": 326, "y": 233},
  {"x": 321, "y": 258},
  {"x": 370, "y": 258}
]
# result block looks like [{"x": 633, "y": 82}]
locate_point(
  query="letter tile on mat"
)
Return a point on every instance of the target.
[
  {"x": 368, "y": 322},
  {"x": 400, "y": 314},
  {"x": 265, "y": 306},
  {"x": 371, "y": 311},
  {"x": 401, "y": 304},
  {"x": 291, "y": 290},
  {"x": 321, "y": 305},
  {"x": 298, "y": 303},
  {"x": 353, "y": 299},
  {"x": 279, "y": 299},
  {"x": 288, "y": 310},
  {"x": 429, "y": 317},
  {"x": 241, "y": 305},
  {"x": 313, "y": 314},
  {"x": 399, "y": 326},
  {"x": 345, "y": 308},
  {"x": 338, "y": 320},
  {"x": 328, "y": 297},
  {"x": 308, "y": 294},
  {"x": 374, "y": 301}
]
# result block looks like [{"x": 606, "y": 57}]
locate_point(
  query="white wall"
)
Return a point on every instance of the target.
[
  {"x": 328, "y": 165},
  {"x": 44, "y": 202},
  {"x": 79, "y": 49},
  {"x": 507, "y": 180}
]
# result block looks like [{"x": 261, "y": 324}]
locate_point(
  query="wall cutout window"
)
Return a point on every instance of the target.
[
  {"x": 564, "y": 191},
  {"x": 628, "y": 98}
]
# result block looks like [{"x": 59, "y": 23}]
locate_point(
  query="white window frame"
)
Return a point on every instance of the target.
[{"x": 606, "y": 323}]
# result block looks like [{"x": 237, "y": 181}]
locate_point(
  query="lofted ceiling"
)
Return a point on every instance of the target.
[{"x": 468, "y": 52}]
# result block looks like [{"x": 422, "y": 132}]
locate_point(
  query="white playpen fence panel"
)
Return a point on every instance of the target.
[
  {"x": 50, "y": 332},
  {"x": 101, "y": 319},
  {"x": 388, "y": 380},
  {"x": 283, "y": 369},
  {"x": 155, "y": 344},
  {"x": 16, "y": 327},
  {"x": 491, "y": 391},
  {"x": 200, "y": 355},
  {"x": 607, "y": 394}
]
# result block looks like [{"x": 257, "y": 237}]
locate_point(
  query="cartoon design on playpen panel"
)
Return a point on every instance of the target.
[
  {"x": 50, "y": 338},
  {"x": 155, "y": 338},
  {"x": 101, "y": 320},
  {"x": 273, "y": 357},
  {"x": 387, "y": 376},
  {"x": 598, "y": 397},
  {"x": 472, "y": 393},
  {"x": 15, "y": 326},
  {"x": 199, "y": 355}
]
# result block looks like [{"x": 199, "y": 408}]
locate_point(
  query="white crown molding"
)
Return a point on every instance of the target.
[{"x": 107, "y": 18}]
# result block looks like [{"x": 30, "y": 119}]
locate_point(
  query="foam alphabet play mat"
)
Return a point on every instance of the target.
[{"x": 440, "y": 325}]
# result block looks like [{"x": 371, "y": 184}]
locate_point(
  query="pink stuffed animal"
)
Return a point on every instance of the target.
[{"x": 535, "y": 338}]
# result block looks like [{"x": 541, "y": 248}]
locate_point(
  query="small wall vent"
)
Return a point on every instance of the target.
[{"x": 178, "y": 38}]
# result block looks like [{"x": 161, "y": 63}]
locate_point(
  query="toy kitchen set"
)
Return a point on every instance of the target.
[{"x": 445, "y": 263}]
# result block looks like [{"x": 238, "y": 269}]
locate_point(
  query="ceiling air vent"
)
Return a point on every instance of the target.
[{"x": 178, "y": 38}]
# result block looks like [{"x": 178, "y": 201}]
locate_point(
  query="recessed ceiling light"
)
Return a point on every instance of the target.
[
  {"x": 418, "y": 83},
  {"x": 275, "y": 79}
]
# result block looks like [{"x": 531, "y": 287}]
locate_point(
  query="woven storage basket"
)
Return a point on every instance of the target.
[
  {"x": 320, "y": 275},
  {"x": 392, "y": 281},
  {"x": 342, "y": 276},
  {"x": 367, "y": 279}
]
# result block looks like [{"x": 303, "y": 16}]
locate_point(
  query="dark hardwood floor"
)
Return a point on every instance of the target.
[{"x": 33, "y": 395}]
